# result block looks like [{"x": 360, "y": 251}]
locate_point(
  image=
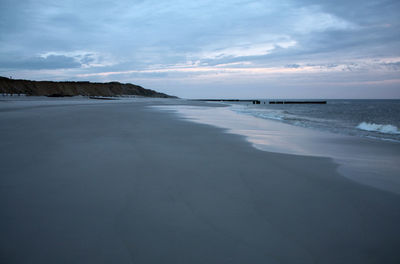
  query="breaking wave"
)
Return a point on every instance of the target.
[{"x": 387, "y": 129}]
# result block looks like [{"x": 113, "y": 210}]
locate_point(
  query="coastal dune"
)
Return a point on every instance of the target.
[
  {"x": 127, "y": 183},
  {"x": 60, "y": 89}
]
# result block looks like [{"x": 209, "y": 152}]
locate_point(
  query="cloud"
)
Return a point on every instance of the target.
[
  {"x": 158, "y": 40},
  {"x": 56, "y": 60},
  {"x": 365, "y": 70},
  {"x": 249, "y": 49},
  {"x": 295, "y": 66},
  {"x": 392, "y": 65},
  {"x": 38, "y": 63},
  {"x": 312, "y": 19},
  {"x": 85, "y": 59}
]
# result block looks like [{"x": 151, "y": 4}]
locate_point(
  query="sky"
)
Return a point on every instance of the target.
[{"x": 209, "y": 49}]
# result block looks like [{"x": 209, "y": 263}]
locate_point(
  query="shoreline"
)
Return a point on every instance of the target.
[
  {"x": 125, "y": 183},
  {"x": 368, "y": 161}
]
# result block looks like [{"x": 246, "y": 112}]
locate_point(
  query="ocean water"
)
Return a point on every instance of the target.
[{"x": 365, "y": 118}]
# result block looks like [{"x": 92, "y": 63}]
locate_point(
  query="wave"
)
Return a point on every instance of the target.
[
  {"x": 386, "y": 129},
  {"x": 338, "y": 123},
  {"x": 260, "y": 113}
]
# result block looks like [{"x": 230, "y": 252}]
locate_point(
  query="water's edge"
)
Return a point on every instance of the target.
[{"x": 367, "y": 161}]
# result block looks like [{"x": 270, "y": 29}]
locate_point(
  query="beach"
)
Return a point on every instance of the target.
[{"x": 125, "y": 182}]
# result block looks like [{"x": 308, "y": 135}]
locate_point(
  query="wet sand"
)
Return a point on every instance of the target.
[{"x": 126, "y": 183}]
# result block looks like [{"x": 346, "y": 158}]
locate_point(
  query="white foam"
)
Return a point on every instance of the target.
[
  {"x": 387, "y": 129},
  {"x": 259, "y": 112}
]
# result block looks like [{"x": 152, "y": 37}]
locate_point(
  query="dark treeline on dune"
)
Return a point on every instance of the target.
[{"x": 50, "y": 88}]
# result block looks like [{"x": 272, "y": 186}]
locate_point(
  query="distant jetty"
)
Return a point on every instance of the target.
[
  {"x": 297, "y": 102},
  {"x": 62, "y": 89},
  {"x": 254, "y": 101}
]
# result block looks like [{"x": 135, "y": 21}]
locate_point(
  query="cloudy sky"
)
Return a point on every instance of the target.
[{"x": 202, "y": 49}]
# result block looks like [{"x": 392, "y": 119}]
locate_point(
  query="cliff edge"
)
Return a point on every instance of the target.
[{"x": 49, "y": 88}]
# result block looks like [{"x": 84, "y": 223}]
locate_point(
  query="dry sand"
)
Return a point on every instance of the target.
[{"x": 124, "y": 183}]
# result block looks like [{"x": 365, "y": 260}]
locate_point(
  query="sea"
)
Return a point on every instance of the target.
[{"x": 379, "y": 119}]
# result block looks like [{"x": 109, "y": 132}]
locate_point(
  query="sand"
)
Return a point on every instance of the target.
[{"x": 125, "y": 183}]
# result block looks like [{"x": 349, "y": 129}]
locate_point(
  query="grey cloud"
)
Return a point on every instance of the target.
[
  {"x": 87, "y": 59},
  {"x": 392, "y": 65},
  {"x": 141, "y": 34},
  {"x": 294, "y": 66},
  {"x": 38, "y": 63}
]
